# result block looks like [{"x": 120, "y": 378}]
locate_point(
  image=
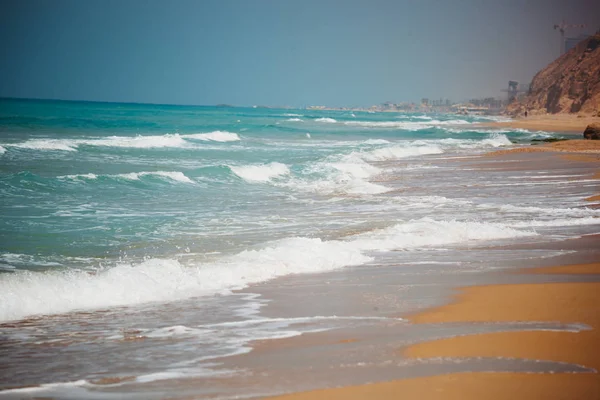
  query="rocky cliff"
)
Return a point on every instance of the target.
[{"x": 571, "y": 84}]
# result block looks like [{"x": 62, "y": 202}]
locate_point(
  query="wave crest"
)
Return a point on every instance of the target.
[
  {"x": 260, "y": 173},
  {"x": 216, "y": 136}
]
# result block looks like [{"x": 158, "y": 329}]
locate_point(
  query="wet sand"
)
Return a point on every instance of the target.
[
  {"x": 571, "y": 124},
  {"x": 524, "y": 300},
  {"x": 556, "y": 302},
  {"x": 591, "y": 147}
]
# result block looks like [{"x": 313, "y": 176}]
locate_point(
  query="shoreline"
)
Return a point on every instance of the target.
[
  {"x": 581, "y": 146},
  {"x": 559, "y": 123},
  {"x": 568, "y": 303},
  {"x": 563, "y": 290}
]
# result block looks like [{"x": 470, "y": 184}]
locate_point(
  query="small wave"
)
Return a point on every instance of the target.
[
  {"x": 429, "y": 232},
  {"x": 329, "y": 120},
  {"x": 260, "y": 173},
  {"x": 557, "y": 222},
  {"x": 2, "y": 150},
  {"x": 293, "y": 115},
  {"x": 294, "y": 120},
  {"x": 216, "y": 136},
  {"x": 492, "y": 140},
  {"x": 336, "y": 175},
  {"x": 405, "y": 125},
  {"x": 138, "y": 142},
  {"x": 24, "y": 294},
  {"x": 46, "y": 144},
  {"x": 173, "y": 175},
  {"x": 571, "y": 212},
  {"x": 377, "y": 141},
  {"x": 497, "y": 140},
  {"x": 396, "y": 152},
  {"x": 422, "y": 117},
  {"x": 133, "y": 176},
  {"x": 79, "y": 176}
]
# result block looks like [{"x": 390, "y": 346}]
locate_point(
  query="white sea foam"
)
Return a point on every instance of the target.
[
  {"x": 557, "y": 222},
  {"x": 493, "y": 140},
  {"x": 172, "y": 175},
  {"x": 377, "y": 141},
  {"x": 396, "y": 152},
  {"x": 134, "y": 176},
  {"x": 497, "y": 140},
  {"x": 428, "y": 232},
  {"x": 79, "y": 176},
  {"x": 328, "y": 120},
  {"x": 46, "y": 144},
  {"x": 563, "y": 212},
  {"x": 2, "y": 150},
  {"x": 24, "y": 293},
  {"x": 260, "y": 173},
  {"x": 406, "y": 125},
  {"x": 347, "y": 174},
  {"x": 339, "y": 185},
  {"x": 139, "y": 142},
  {"x": 294, "y": 120},
  {"x": 216, "y": 136}
]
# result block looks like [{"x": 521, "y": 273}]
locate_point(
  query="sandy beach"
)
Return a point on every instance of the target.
[
  {"x": 566, "y": 302},
  {"x": 461, "y": 305},
  {"x": 566, "y": 146},
  {"x": 563, "y": 123}
]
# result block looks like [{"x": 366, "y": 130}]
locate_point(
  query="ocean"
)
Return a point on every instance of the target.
[{"x": 132, "y": 235}]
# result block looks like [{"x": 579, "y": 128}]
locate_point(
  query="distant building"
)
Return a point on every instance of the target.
[{"x": 574, "y": 41}]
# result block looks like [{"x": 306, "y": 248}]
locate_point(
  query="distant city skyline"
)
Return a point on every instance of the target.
[{"x": 279, "y": 53}]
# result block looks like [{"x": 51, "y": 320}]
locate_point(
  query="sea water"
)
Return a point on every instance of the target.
[{"x": 124, "y": 226}]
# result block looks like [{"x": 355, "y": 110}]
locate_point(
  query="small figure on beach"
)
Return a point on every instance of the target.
[{"x": 525, "y": 113}]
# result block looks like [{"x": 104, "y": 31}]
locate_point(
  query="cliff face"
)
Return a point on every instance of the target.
[{"x": 571, "y": 84}]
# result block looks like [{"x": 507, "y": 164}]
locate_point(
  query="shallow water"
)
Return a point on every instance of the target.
[{"x": 127, "y": 229}]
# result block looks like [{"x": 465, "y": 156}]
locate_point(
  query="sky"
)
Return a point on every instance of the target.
[{"x": 278, "y": 52}]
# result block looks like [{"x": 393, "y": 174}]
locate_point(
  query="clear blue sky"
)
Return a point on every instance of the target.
[{"x": 278, "y": 52}]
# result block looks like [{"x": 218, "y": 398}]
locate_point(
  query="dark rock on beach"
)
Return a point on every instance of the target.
[{"x": 592, "y": 131}]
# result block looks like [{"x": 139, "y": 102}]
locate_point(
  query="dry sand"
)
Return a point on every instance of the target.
[
  {"x": 564, "y": 123},
  {"x": 556, "y": 302}
]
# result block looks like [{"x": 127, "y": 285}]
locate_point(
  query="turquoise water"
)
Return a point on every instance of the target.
[
  {"x": 102, "y": 181},
  {"x": 87, "y": 187},
  {"x": 156, "y": 214}
]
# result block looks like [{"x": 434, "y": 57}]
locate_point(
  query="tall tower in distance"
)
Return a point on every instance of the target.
[{"x": 562, "y": 27}]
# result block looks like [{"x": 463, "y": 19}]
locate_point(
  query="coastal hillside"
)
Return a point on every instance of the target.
[{"x": 570, "y": 84}]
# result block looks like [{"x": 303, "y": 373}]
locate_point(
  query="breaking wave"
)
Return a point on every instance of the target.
[
  {"x": 216, "y": 136},
  {"x": 24, "y": 294},
  {"x": 133, "y": 176},
  {"x": 260, "y": 173},
  {"x": 137, "y": 142}
]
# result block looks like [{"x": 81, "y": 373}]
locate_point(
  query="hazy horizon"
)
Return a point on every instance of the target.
[{"x": 274, "y": 53}]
